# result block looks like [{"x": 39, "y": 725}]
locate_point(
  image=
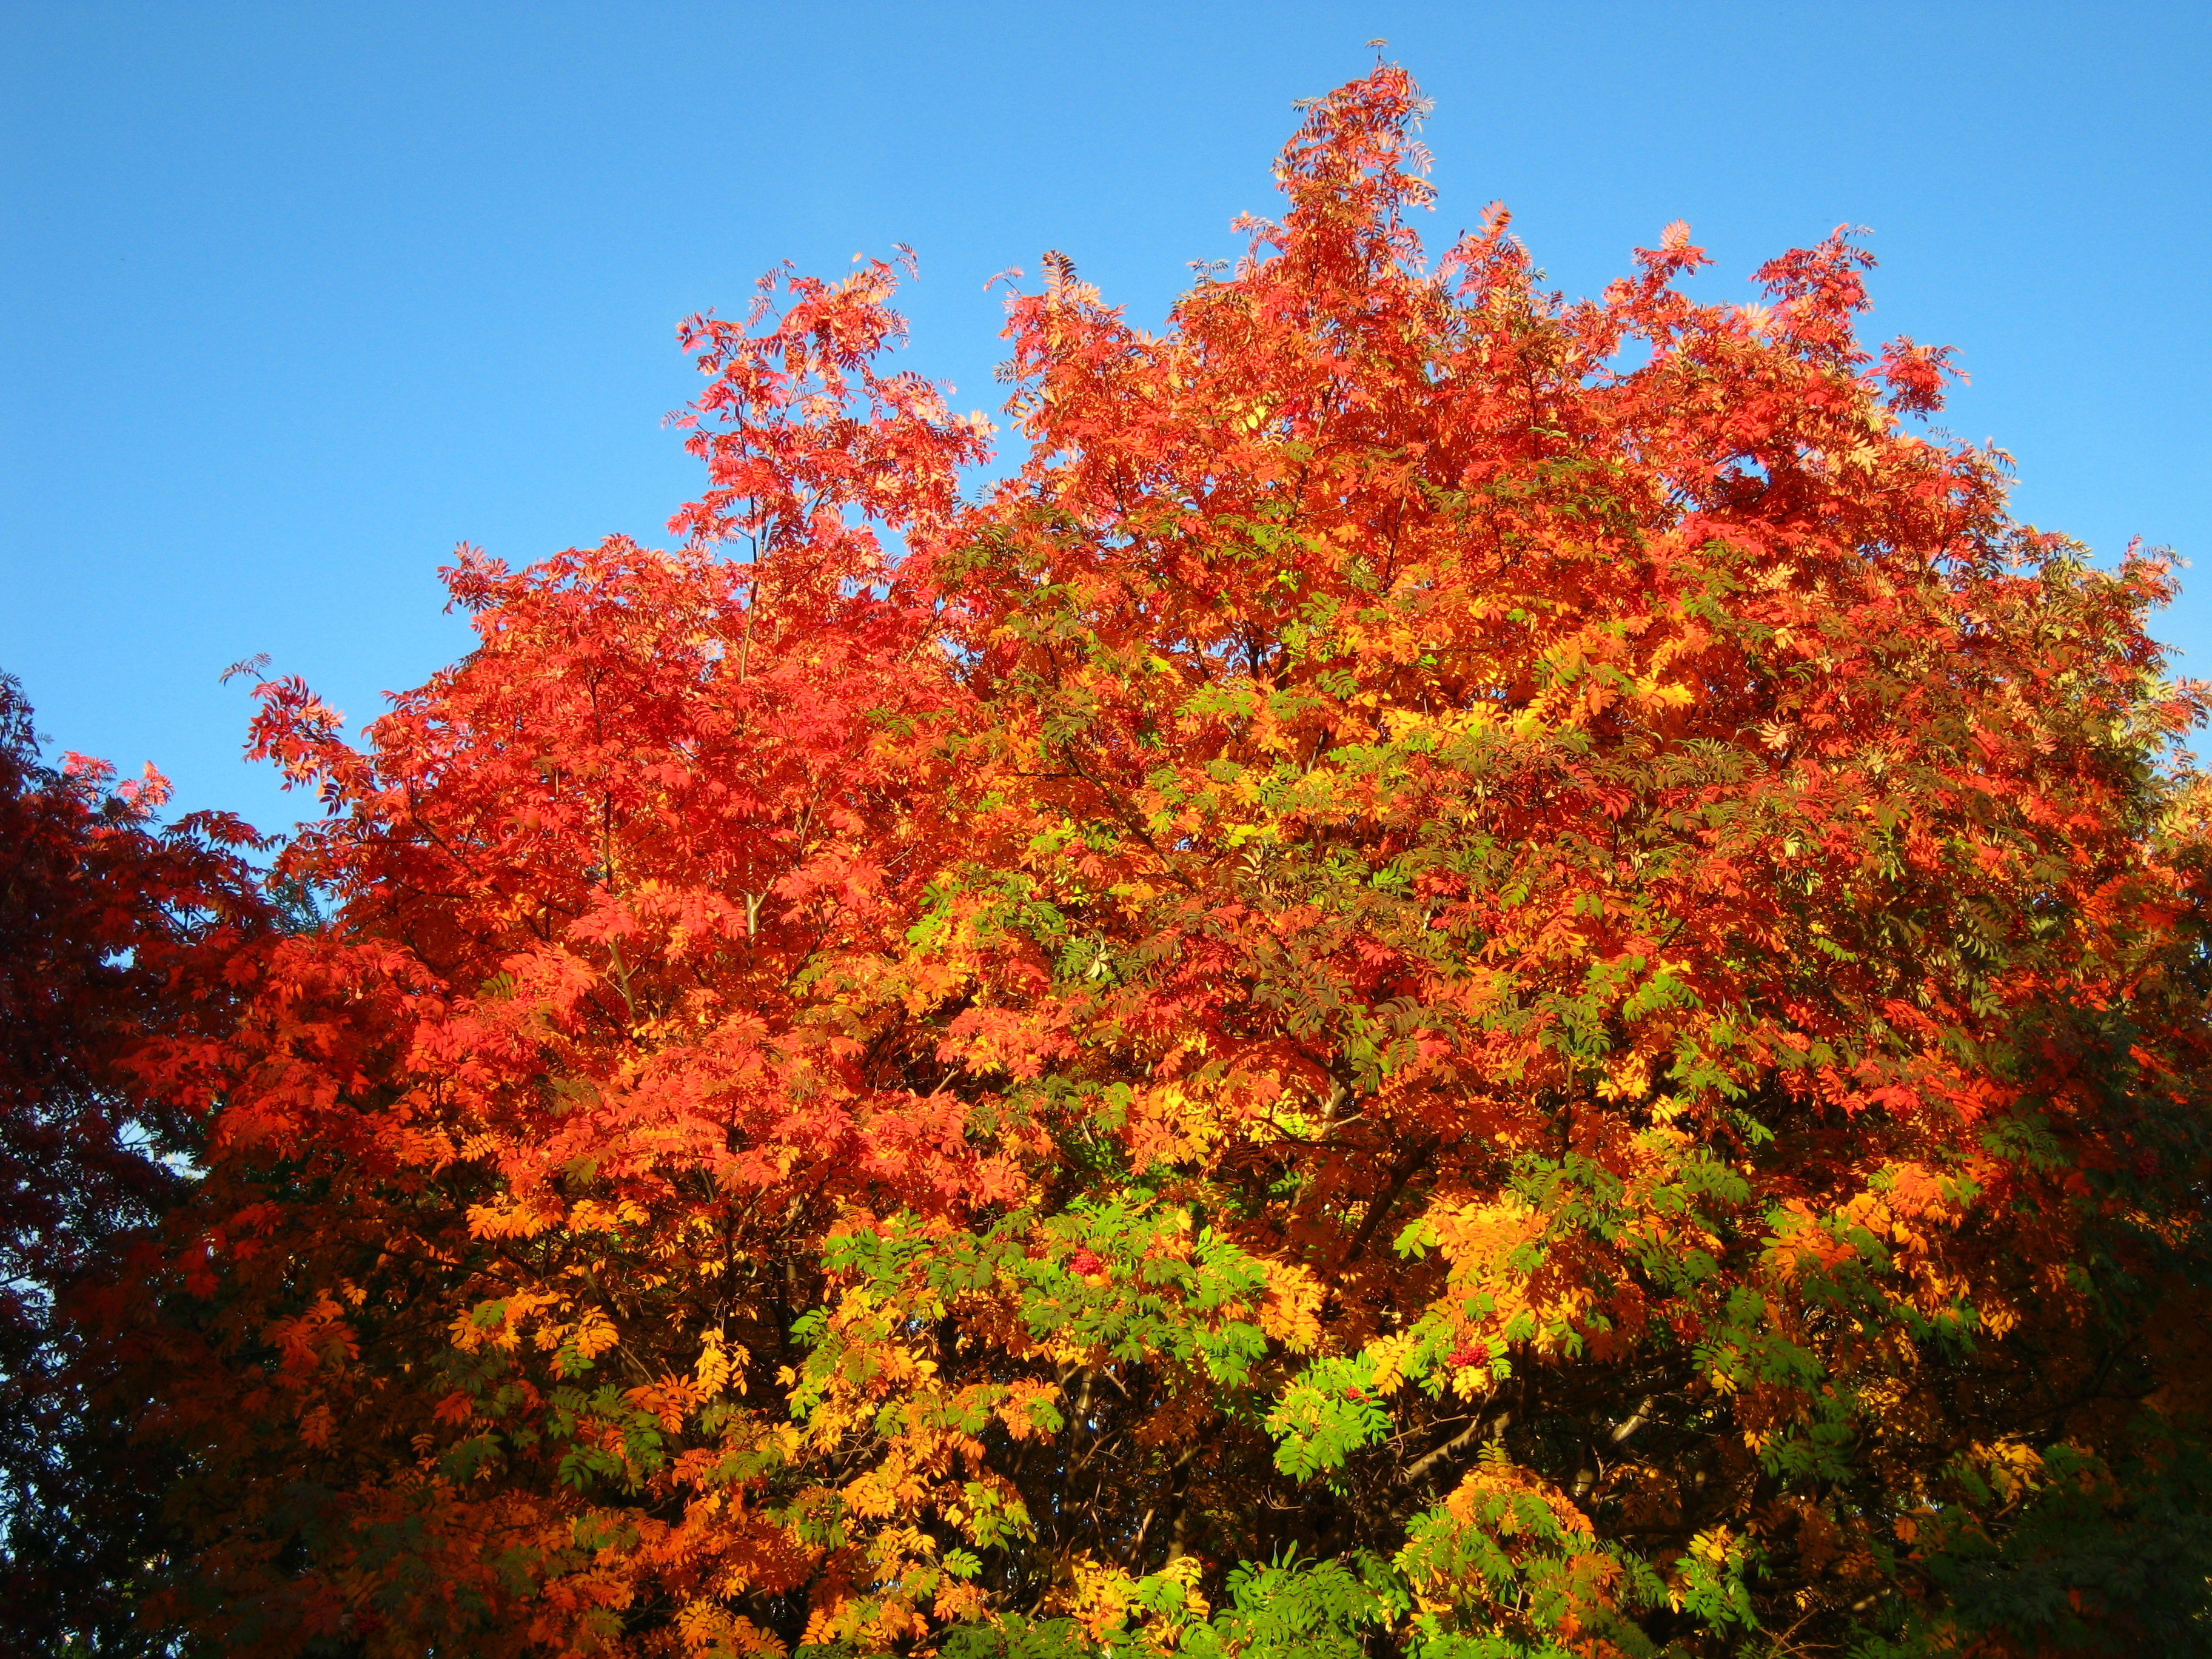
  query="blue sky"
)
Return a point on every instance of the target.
[{"x": 295, "y": 297}]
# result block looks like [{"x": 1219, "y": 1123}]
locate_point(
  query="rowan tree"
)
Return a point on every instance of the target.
[{"x": 1472, "y": 975}]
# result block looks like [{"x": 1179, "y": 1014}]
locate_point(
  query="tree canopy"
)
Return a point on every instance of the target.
[
  {"x": 1470, "y": 976},
  {"x": 113, "y": 930}
]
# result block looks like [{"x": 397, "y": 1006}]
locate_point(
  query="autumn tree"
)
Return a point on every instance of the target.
[
  {"x": 1472, "y": 975},
  {"x": 109, "y": 922}
]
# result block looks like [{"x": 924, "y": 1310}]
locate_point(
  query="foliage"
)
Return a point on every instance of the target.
[
  {"x": 1472, "y": 975},
  {"x": 104, "y": 917}
]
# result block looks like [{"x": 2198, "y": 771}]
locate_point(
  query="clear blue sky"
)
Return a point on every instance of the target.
[{"x": 297, "y": 296}]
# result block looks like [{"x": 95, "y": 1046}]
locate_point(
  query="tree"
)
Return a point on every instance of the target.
[
  {"x": 1472, "y": 975},
  {"x": 106, "y": 923}
]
